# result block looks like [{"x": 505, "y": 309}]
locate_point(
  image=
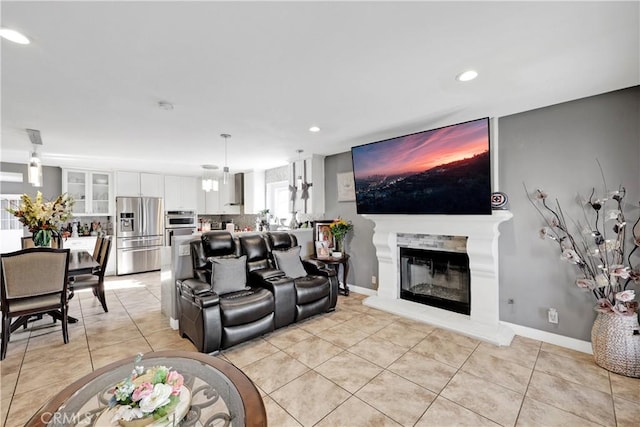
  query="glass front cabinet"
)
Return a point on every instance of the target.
[{"x": 91, "y": 191}]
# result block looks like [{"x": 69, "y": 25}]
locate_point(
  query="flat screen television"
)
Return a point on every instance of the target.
[{"x": 439, "y": 171}]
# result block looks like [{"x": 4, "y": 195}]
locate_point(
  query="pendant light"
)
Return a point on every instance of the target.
[
  {"x": 209, "y": 181},
  {"x": 225, "y": 169},
  {"x": 299, "y": 175},
  {"x": 34, "y": 166},
  {"x": 35, "y": 169}
]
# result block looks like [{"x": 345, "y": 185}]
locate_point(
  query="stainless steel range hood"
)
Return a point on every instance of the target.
[{"x": 238, "y": 196}]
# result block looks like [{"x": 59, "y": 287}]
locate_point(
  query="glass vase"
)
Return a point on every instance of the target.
[{"x": 42, "y": 238}]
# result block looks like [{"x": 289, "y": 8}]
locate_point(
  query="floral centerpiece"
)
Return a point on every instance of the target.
[
  {"x": 146, "y": 396},
  {"x": 43, "y": 219},
  {"x": 339, "y": 229}
]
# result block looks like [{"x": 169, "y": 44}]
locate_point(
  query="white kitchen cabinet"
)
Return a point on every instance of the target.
[
  {"x": 180, "y": 193},
  {"x": 254, "y": 192},
  {"x": 218, "y": 202},
  {"x": 91, "y": 190},
  {"x": 135, "y": 184},
  {"x": 208, "y": 202}
]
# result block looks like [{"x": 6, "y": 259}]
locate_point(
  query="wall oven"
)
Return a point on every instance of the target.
[{"x": 179, "y": 223}]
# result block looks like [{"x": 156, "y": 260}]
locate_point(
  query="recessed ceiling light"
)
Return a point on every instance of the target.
[
  {"x": 14, "y": 36},
  {"x": 314, "y": 129},
  {"x": 467, "y": 76}
]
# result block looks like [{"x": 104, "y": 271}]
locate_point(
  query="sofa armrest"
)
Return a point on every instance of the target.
[
  {"x": 199, "y": 291},
  {"x": 257, "y": 277},
  {"x": 318, "y": 268},
  {"x": 283, "y": 290}
]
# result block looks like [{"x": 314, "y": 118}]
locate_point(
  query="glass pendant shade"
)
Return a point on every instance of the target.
[
  {"x": 35, "y": 170},
  {"x": 225, "y": 175},
  {"x": 225, "y": 169}
]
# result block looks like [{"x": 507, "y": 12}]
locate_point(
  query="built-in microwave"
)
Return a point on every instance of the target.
[{"x": 180, "y": 219}]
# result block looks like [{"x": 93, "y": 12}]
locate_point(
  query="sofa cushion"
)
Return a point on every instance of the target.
[
  {"x": 239, "y": 308},
  {"x": 289, "y": 262},
  {"x": 228, "y": 274}
]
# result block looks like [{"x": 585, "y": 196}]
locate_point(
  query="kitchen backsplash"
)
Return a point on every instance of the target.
[{"x": 241, "y": 222}]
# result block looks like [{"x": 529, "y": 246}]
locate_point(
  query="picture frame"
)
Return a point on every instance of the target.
[
  {"x": 346, "y": 187},
  {"x": 322, "y": 249},
  {"x": 322, "y": 233}
]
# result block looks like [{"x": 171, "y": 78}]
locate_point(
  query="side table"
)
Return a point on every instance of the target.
[{"x": 335, "y": 263}]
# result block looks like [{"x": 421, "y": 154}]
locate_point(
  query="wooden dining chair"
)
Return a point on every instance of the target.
[
  {"x": 95, "y": 281},
  {"x": 34, "y": 281},
  {"x": 27, "y": 242}
]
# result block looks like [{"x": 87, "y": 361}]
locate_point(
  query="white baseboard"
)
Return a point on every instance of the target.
[
  {"x": 363, "y": 291},
  {"x": 548, "y": 337},
  {"x": 551, "y": 338}
]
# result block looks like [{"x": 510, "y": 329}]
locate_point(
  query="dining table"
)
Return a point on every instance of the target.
[{"x": 80, "y": 262}]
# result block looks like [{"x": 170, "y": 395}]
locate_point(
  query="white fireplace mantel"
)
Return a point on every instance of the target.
[{"x": 482, "y": 248}]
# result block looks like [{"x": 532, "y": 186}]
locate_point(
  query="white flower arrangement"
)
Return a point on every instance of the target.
[
  {"x": 151, "y": 393},
  {"x": 598, "y": 254}
]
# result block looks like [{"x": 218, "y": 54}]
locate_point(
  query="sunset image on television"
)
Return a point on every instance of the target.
[{"x": 445, "y": 170}]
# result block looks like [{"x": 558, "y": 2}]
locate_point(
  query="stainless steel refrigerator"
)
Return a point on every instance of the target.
[{"x": 139, "y": 234}]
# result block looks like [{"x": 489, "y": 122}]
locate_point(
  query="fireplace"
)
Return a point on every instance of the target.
[
  {"x": 436, "y": 278},
  {"x": 480, "y": 233}
]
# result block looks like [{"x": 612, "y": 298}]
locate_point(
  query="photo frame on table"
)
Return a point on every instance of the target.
[
  {"x": 322, "y": 233},
  {"x": 346, "y": 187},
  {"x": 322, "y": 249}
]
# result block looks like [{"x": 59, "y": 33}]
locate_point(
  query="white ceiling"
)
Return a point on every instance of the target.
[{"x": 265, "y": 72}]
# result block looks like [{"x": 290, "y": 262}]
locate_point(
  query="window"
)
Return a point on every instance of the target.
[
  {"x": 278, "y": 199},
  {"x": 7, "y": 220}
]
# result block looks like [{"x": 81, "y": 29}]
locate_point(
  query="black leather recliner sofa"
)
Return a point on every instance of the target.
[{"x": 218, "y": 309}]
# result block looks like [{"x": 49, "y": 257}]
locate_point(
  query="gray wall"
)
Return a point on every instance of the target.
[
  {"x": 555, "y": 149},
  {"x": 51, "y": 176},
  {"x": 363, "y": 263}
]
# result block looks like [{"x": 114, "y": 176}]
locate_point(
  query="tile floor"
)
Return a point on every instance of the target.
[{"x": 354, "y": 367}]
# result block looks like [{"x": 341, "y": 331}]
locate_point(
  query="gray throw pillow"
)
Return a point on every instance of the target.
[
  {"x": 289, "y": 262},
  {"x": 228, "y": 274}
]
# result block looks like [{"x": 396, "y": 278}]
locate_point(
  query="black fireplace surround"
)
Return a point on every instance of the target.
[{"x": 436, "y": 278}]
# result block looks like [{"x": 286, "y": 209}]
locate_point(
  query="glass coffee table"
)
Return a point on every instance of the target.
[{"x": 221, "y": 394}]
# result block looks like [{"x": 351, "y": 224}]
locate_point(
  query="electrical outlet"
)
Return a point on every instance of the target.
[
  {"x": 374, "y": 280},
  {"x": 553, "y": 315}
]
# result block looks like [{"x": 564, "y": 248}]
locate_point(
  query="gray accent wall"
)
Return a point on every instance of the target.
[
  {"x": 363, "y": 263},
  {"x": 51, "y": 177},
  {"x": 554, "y": 148}
]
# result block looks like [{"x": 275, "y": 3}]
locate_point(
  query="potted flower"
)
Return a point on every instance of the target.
[
  {"x": 596, "y": 246},
  {"x": 339, "y": 229},
  {"x": 43, "y": 219}
]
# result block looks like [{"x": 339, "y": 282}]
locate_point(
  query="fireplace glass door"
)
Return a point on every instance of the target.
[{"x": 437, "y": 278}]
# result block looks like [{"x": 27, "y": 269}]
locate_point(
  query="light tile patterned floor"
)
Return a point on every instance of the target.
[{"x": 354, "y": 367}]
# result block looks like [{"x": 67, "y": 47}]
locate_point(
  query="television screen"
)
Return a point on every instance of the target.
[{"x": 439, "y": 171}]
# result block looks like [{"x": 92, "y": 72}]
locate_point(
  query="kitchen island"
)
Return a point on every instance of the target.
[{"x": 176, "y": 264}]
